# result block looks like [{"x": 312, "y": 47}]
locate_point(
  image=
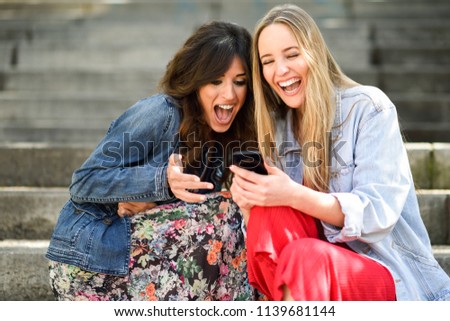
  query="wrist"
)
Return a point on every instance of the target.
[{"x": 295, "y": 197}]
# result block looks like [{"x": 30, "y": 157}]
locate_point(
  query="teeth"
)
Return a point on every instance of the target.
[
  {"x": 225, "y": 106},
  {"x": 288, "y": 82}
]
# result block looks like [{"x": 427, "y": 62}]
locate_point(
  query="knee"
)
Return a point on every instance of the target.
[{"x": 305, "y": 253}]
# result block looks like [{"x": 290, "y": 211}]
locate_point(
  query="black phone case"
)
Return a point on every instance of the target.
[{"x": 250, "y": 160}]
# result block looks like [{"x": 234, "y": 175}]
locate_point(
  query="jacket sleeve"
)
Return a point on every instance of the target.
[
  {"x": 381, "y": 179},
  {"x": 130, "y": 162}
]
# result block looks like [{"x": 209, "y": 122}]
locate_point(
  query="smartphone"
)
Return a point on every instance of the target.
[{"x": 250, "y": 160}]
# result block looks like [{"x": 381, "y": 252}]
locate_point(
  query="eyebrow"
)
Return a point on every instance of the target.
[{"x": 284, "y": 50}]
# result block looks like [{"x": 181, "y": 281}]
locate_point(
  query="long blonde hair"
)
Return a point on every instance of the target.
[{"x": 313, "y": 122}]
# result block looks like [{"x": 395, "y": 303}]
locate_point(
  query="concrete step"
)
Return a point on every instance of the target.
[
  {"x": 435, "y": 211},
  {"x": 31, "y": 212},
  {"x": 59, "y": 117},
  {"x": 113, "y": 27},
  {"x": 77, "y": 133},
  {"x": 56, "y": 162},
  {"x": 400, "y": 32},
  {"x": 60, "y": 107},
  {"x": 422, "y": 107},
  {"x": 185, "y": 11},
  {"x": 140, "y": 55},
  {"x": 412, "y": 56},
  {"x": 24, "y": 271},
  {"x": 40, "y": 164},
  {"x": 424, "y": 114},
  {"x": 407, "y": 81},
  {"x": 429, "y": 164},
  {"x": 400, "y": 9},
  {"x": 91, "y": 33},
  {"x": 92, "y": 82},
  {"x": 29, "y": 280},
  {"x": 426, "y": 132},
  {"x": 403, "y": 81}
]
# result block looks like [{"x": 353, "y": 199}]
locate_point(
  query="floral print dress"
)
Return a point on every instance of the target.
[{"x": 179, "y": 251}]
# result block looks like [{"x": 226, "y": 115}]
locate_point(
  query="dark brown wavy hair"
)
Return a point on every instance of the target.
[{"x": 206, "y": 56}]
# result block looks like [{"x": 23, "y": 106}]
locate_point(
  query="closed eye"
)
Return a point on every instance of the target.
[
  {"x": 266, "y": 62},
  {"x": 240, "y": 82},
  {"x": 293, "y": 55}
]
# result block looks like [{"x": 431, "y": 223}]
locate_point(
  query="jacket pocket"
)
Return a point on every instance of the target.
[
  {"x": 99, "y": 211},
  {"x": 93, "y": 240}
]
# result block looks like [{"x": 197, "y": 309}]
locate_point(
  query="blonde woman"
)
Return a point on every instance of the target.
[{"x": 337, "y": 218}]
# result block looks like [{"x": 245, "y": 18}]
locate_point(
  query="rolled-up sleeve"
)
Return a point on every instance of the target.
[
  {"x": 130, "y": 163},
  {"x": 381, "y": 179}
]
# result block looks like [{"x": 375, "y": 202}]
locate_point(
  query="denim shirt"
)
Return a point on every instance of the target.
[
  {"x": 129, "y": 164},
  {"x": 371, "y": 179}
]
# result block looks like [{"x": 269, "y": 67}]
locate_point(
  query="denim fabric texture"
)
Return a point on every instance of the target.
[
  {"x": 371, "y": 179},
  {"x": 129, "y": 164}
]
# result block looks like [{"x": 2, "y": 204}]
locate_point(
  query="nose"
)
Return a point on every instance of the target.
[
  {"x": 281, "y": 68},
  {"x": 228, "y": 91}
]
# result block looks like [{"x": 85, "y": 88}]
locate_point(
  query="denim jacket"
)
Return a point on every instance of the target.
[
  {"x": 371, "y": 179},
  {"x": 129, "y": 164}
]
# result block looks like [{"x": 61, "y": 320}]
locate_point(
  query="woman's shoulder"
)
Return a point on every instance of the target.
[
  {"x": 369, "y": 98},
  {"x": 155, "y": 103},
  {"x": 360, "y": 105},
  {"x": 160, "y": 108}
]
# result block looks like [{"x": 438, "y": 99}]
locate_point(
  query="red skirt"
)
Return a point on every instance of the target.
[{"x": 286, "y": 248}]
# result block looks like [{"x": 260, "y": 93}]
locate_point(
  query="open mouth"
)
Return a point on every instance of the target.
[
  {"x": 223, "y": 113},
  {"x": 290, "y": 86}
]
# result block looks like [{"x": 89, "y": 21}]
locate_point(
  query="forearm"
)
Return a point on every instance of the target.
[
  {"x": 322, "y": 206},
  {"x": 133, "y": 184}
]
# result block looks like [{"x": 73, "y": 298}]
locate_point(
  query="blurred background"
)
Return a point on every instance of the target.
[{"x": 68, "y": 68}]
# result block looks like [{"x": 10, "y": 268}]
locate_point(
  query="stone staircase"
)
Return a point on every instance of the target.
[{"x": 67, "y": 68}]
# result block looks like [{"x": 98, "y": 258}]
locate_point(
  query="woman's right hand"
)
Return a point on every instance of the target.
[
  {"x": 132, "y": 208},
  {"x": 181, "y": 183}
]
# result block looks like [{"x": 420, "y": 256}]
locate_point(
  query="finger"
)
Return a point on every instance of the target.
[
  {"x": 175, "y": 159},
  {"x": 245, "y": 174},
  {"x": 270, "y": 167},
  {"x": 188, "y": 181},
  {"x": 122, "y": 212},
  {"x": 238, "y": 193},
  {"x": 246, "y": 185},
  {"x": 247, "y": 192},
  {"x": 191, "y": 186},
  {"x": 190, "y": 197}
]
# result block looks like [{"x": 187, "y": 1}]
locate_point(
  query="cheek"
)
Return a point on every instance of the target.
[
  {"x": 206, "y": 94},
  {"x": 304, "y": 67},
  {"x": 242, "y": 94}
]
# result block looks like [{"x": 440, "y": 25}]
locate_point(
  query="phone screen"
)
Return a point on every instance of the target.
[{"x": 250, "y": 160}]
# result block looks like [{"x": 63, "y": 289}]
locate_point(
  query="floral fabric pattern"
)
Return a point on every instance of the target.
[{"x": 179, "y": 251}]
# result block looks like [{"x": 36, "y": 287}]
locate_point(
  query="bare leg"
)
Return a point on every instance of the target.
[{"x": 287, "y": 294}]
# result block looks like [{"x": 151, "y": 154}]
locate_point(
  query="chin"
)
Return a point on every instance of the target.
[
  {"x": 221, "y": 129},
  {"x": 294, "y": 103}
]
